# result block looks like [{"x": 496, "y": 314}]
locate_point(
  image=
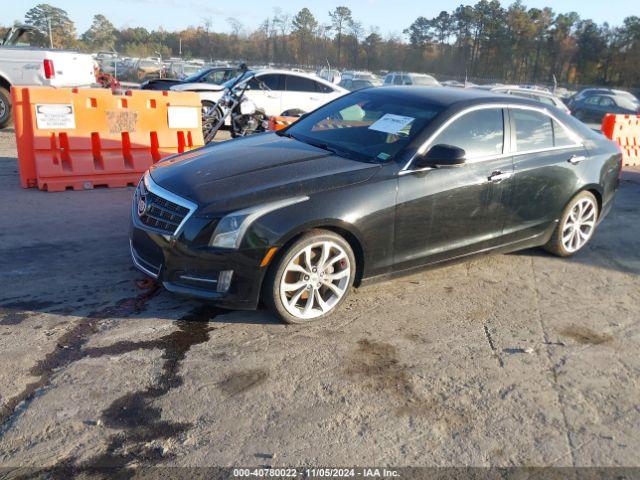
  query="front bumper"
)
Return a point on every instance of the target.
[{"x": 196, "y": 271}]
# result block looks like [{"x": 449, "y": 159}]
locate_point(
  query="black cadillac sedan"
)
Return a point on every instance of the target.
[{"x": 375, "y": 183}]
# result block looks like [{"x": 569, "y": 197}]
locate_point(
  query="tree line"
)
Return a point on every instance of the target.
[{"x": 512, "y": 44}]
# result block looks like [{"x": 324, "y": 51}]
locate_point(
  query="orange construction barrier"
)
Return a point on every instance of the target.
[
  {"x": 83, "y": 138},
  {"x": 278, "y": 123},
  {"x": 625, "y": 131}
]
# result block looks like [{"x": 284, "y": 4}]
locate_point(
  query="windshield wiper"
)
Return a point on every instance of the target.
[
  {"x": 330, "y": 148},
  {"x": 280, "y": 133},
  {"x": 324, "y": 146}
]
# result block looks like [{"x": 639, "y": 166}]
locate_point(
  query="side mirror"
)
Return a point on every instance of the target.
[{"x": 442, "y": 156}]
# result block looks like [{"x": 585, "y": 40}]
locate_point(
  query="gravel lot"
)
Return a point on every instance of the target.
[{"x": 520, "y": 359}]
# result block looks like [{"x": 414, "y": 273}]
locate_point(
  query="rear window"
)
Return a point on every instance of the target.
[
  {"x": 322, "y": 88},
  {"x": 533, "y": 130}
]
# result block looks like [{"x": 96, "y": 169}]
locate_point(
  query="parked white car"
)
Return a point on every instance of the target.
[
  {"x": 285, "y": 91},
  {"x": 408, "y": 78},
  {"x": 24, "y": 65},
  {"x": 537, "y": 94}
]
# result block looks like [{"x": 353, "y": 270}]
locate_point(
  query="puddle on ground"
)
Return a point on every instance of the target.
[
  {"x": 69, "y": 346},
  {"x": 14, "y": 313},
  {"x": 134, "y": 414}
]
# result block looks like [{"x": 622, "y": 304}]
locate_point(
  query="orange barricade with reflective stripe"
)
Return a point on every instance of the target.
[
  {"x": 625, "y": 131},
  {"x": 81, "y": 138}
]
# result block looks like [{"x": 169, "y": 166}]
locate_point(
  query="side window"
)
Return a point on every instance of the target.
[
  {"x": 397, "y": 80},
  {"x": 607, "y": 102},
  {"x": 479, "y": 133},
  {"x": 216, "y": 77},
  {"x": 560, "y": 136},
  {"x": 271, "y": 80},
  {"x": 322, "y": 88},
  {"x": 229, "y": 74},
  {"x": 533, "y": 130},
  {"x": 388, "y": 80},
  {"x": 595, "y": 100},
  {"x": 299, "y": 84}
]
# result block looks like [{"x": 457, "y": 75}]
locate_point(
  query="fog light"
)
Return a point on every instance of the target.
[{"x": 224, "y": 280}]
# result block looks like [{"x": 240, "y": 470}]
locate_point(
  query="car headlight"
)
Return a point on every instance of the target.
[{"x": 231, "y": 228}]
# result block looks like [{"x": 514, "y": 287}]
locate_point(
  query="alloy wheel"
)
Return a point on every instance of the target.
[
  {"x": 3, "y": 108},
  {"x": 579, "y": 225},
  {"x": 315, "y": 279}
]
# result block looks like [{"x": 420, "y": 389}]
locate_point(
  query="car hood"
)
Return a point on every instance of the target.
[
  {"x": 195, "y": 86},
  {"x": 248, "y": 171}
]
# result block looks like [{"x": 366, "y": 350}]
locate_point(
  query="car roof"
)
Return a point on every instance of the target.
[
  {"x": 450, "y": 96},
  {"x": 533, "y": 91},
  {"x": 281, "y": 71}
]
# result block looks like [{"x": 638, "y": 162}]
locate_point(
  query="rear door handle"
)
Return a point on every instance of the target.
[
  {"x": 498, "y": 176},
  {"x": 576, "y": 159}
]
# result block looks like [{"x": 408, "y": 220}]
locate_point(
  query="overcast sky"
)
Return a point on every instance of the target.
[{"x": 388, "y": 15}]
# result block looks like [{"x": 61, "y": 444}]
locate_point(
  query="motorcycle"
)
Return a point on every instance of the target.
[{"x": 245, "y": 118}]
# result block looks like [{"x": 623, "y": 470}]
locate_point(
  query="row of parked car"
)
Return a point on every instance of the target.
[
  {"x": 285, "y": 90},
  {"x": 147, "y": 68}
]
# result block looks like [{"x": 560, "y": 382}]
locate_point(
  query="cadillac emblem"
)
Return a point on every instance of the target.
[{"x": 142, "y": 205}]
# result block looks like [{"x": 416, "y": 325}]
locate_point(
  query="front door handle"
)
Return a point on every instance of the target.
[
  {"x": 576, "y": 159},
  {"x": 498, "y": 176}
]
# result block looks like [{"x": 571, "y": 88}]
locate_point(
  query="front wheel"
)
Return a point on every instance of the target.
[
  {"x": 5, "y": 108},
  {"x": 576, "y": 226},
  {"x": 311, "y": 279},
  {"x": 210, "y": 117}
]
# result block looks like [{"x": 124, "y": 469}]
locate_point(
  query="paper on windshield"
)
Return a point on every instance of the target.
[{"x": 390, "y": 123}]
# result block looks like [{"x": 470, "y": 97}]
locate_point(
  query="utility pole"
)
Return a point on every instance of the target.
[
  {"x": 50, "y": 34},
  {"x": 180, "y": 47}
]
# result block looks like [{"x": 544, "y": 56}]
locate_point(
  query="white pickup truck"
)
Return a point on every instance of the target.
[{"x": 25, "y": 65}]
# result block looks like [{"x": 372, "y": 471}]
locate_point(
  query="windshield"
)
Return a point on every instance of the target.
[
  {"x": 365, "y": 125},
  {"x": 194, "y": 77},
  {"x": 231, "y": 81}
]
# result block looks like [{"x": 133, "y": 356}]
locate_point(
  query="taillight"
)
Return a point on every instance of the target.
[{"x": 49, "y": 71}]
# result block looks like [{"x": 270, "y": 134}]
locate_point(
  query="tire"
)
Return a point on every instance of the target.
[
  {"x": 5, "y": 108},
  {"x": 205, "y": 106},
  {"x": 577, "y": 223},
  {"x": 309, "y": 283}
]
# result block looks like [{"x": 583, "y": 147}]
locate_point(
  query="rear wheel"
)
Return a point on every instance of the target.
[
  {"x": 311, "y": 279},
  {"x": 576, "y": 226},
  {"x": 5, "y": 108}
]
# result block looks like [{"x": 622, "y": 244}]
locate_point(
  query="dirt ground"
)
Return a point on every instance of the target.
[{"x": 521, "y": 359}]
